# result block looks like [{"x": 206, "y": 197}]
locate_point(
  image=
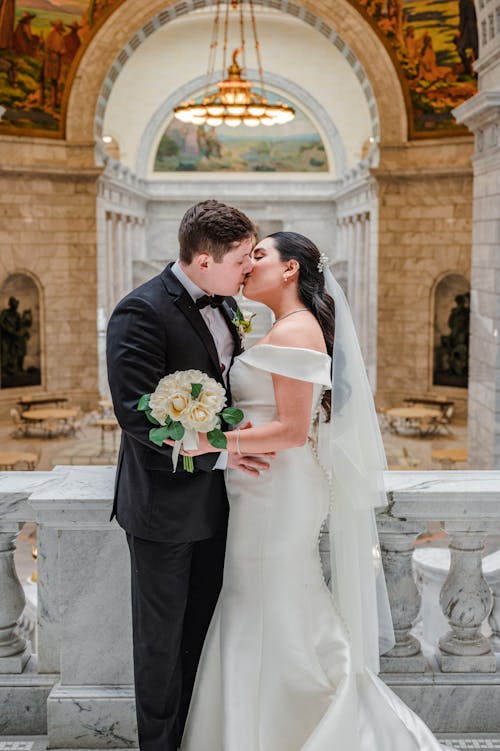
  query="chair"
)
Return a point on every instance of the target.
[{"x": 20, "y": 428}]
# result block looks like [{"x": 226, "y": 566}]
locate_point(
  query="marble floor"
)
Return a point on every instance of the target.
[{"x": 481, "y": 741}]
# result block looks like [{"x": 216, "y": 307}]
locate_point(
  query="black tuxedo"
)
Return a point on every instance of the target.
[{"x": 175, "y": 523}]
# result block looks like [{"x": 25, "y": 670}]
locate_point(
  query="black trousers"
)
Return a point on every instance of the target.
[{"x": 175, "y": 587}]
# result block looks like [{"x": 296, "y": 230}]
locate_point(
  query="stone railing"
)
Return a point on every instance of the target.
[{"x": 78, "y": 687}]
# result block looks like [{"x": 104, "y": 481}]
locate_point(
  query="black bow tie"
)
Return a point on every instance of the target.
[{"x": 215, "y": 301}]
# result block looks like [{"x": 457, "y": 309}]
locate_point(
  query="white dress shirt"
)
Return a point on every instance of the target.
[{"x": 216, "y": 323}]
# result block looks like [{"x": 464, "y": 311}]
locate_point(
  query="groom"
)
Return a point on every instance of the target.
[{"x": 175, "y": 523}]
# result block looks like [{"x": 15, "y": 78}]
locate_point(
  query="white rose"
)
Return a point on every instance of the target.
[
  {"x": 171, "y": 398},
  {"x": 200, "y": 418},
  {"x": 213, "y": 396}
]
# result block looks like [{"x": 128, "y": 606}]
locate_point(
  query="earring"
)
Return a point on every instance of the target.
[{"x": 285, "y": 278}]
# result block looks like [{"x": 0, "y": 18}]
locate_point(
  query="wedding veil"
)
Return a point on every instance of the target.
[{"x": 351, "y": 449}]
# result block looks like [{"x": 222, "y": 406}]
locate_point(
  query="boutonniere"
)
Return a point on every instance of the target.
[{"x": 243, "y": 322}]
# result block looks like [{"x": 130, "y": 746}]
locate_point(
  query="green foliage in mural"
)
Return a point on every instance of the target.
[{"x": 295, "y": 147}]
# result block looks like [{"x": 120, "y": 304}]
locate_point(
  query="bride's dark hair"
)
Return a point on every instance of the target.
[{"x": 311, "y": 288}]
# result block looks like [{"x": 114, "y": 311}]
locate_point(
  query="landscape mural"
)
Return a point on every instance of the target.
[
  {"x": 436, "y": 42},
  {"x": 39, "y": 40},
  {"x": 294, "y": 147}
]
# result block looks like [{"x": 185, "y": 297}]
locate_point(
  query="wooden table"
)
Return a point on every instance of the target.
[
  {"x": 9, "y": 459},
  {"x": 449, "y": 457},
  {"x": 29, "y": 401},
  {"x": 56, "y": 413},
  {"x": 53, "y": 415},
  {"x": 422, "y": 419},
  {"x": 441, "y": 402}
]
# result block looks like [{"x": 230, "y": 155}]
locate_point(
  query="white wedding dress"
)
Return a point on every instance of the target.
[{"x": 276, "y": 670}]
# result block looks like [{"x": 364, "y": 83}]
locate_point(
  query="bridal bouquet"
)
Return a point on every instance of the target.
[{"x": 184, "y": 404}]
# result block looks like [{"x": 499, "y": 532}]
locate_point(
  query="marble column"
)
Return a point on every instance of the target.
[
  {"x": 110, "y": 295},
  {"x": 481, "y": 114},
  {"x": 93, "y": 704},
  {"x": 129, "y": 253}
]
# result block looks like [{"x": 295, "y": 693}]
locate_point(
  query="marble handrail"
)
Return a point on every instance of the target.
[
  {"x": 84, "y": 598},
  {"x": 467, "y": 504}
]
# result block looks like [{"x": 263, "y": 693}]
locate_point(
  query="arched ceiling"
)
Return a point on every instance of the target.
[
  {"x": 320, "y": 72},
  {"x": 125, "y": 30}
]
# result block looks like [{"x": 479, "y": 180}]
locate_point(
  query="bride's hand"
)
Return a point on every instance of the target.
[{"x": 204, "y": 446}]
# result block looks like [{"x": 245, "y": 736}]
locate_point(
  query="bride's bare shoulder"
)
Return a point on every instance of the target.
[{"x": 305, "y": 333}]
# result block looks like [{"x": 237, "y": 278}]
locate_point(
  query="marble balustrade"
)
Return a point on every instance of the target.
[{"x": 78, "y": 688}]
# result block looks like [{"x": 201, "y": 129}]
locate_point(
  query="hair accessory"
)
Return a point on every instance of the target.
[{"x": 323, "y": 263}]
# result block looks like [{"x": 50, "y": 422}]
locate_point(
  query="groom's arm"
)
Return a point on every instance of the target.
[{"x": 136, "y": 360}]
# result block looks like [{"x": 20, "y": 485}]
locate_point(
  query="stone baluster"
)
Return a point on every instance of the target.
[
  {"x": 466, "y": 602},
  {"x": 494, "y": 619},
  {"x": 15, "y": 651},
  {"x": 397, "y": 541}
]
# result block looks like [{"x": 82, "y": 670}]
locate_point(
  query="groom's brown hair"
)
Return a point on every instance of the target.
[{"x": 212, "y": 227}]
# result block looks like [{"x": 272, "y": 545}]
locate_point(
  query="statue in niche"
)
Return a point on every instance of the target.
[
  {"x": 14, "y": 335},
  {"x": 452, "y": 355}
]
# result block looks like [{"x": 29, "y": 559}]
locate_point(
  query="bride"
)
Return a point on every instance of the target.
[{"x": 289, "y": 664}]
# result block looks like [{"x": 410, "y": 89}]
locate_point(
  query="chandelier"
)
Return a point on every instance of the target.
[{"x": 236, "y": 101}]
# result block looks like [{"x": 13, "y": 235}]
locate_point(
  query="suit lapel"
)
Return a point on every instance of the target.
[
  {"x": 228, "y": 312},
  {"x": 185, "y": 303}
]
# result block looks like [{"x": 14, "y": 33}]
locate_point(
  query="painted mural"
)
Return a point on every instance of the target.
[
  {"x": 39, "y": 40},
  {"x": 436, "y": 42},
  {"x": 294, "y": 147}
]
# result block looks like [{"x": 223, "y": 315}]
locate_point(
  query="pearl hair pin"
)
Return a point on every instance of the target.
[{"x": 323, "y": 263}]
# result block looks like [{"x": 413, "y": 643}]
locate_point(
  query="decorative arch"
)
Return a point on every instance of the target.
[
  {"x": 20, "y": 331},
  {"x": 354, "y": 35},
  {"x": 335, "y": 147}
]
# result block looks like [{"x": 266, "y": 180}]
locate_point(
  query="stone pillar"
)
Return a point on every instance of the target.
[
  {"x": 481, "y": 114},
  {"x": 466, "y": 602},
  {"x": 351, "y": 279},
  {"x": 110, "y": 295},
  {"x": 15, "y": 651},
  {"x": 93, "y": 704},
  {"x": 397, "y": 541},
  {"x": 129, "y": 252}
]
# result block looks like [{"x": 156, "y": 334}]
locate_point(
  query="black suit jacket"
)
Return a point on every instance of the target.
[{"x": 156, "y": 330}]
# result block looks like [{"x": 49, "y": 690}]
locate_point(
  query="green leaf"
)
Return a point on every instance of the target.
[
  {"x": 158, "y": 435},
  {"x": 175, "y": 431},
  {"x": 217, "y": 439},
  {"x": 232, "y": 415},
  {"x": 151, "y": 418},
  {"x": 196, "y": 390},
  {"x": 144, "y": 403}
]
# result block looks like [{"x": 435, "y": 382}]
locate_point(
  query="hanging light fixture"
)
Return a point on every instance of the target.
[{"x": 235, "y": 102}]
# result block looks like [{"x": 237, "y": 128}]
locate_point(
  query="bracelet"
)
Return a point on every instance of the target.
[{"x": 238, "y": 450}]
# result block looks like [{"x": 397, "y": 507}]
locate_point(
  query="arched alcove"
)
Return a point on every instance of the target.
[
  {"x": 20, "y": 332},
  {"x": 451, "y": 298}
]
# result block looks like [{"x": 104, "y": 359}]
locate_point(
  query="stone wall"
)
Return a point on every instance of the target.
[
  {"x": 425, "y": 232},
  {"x": 48, "y": 229}
]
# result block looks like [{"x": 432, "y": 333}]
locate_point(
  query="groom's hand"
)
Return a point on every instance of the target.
[{"x": 252, "y": 465}]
